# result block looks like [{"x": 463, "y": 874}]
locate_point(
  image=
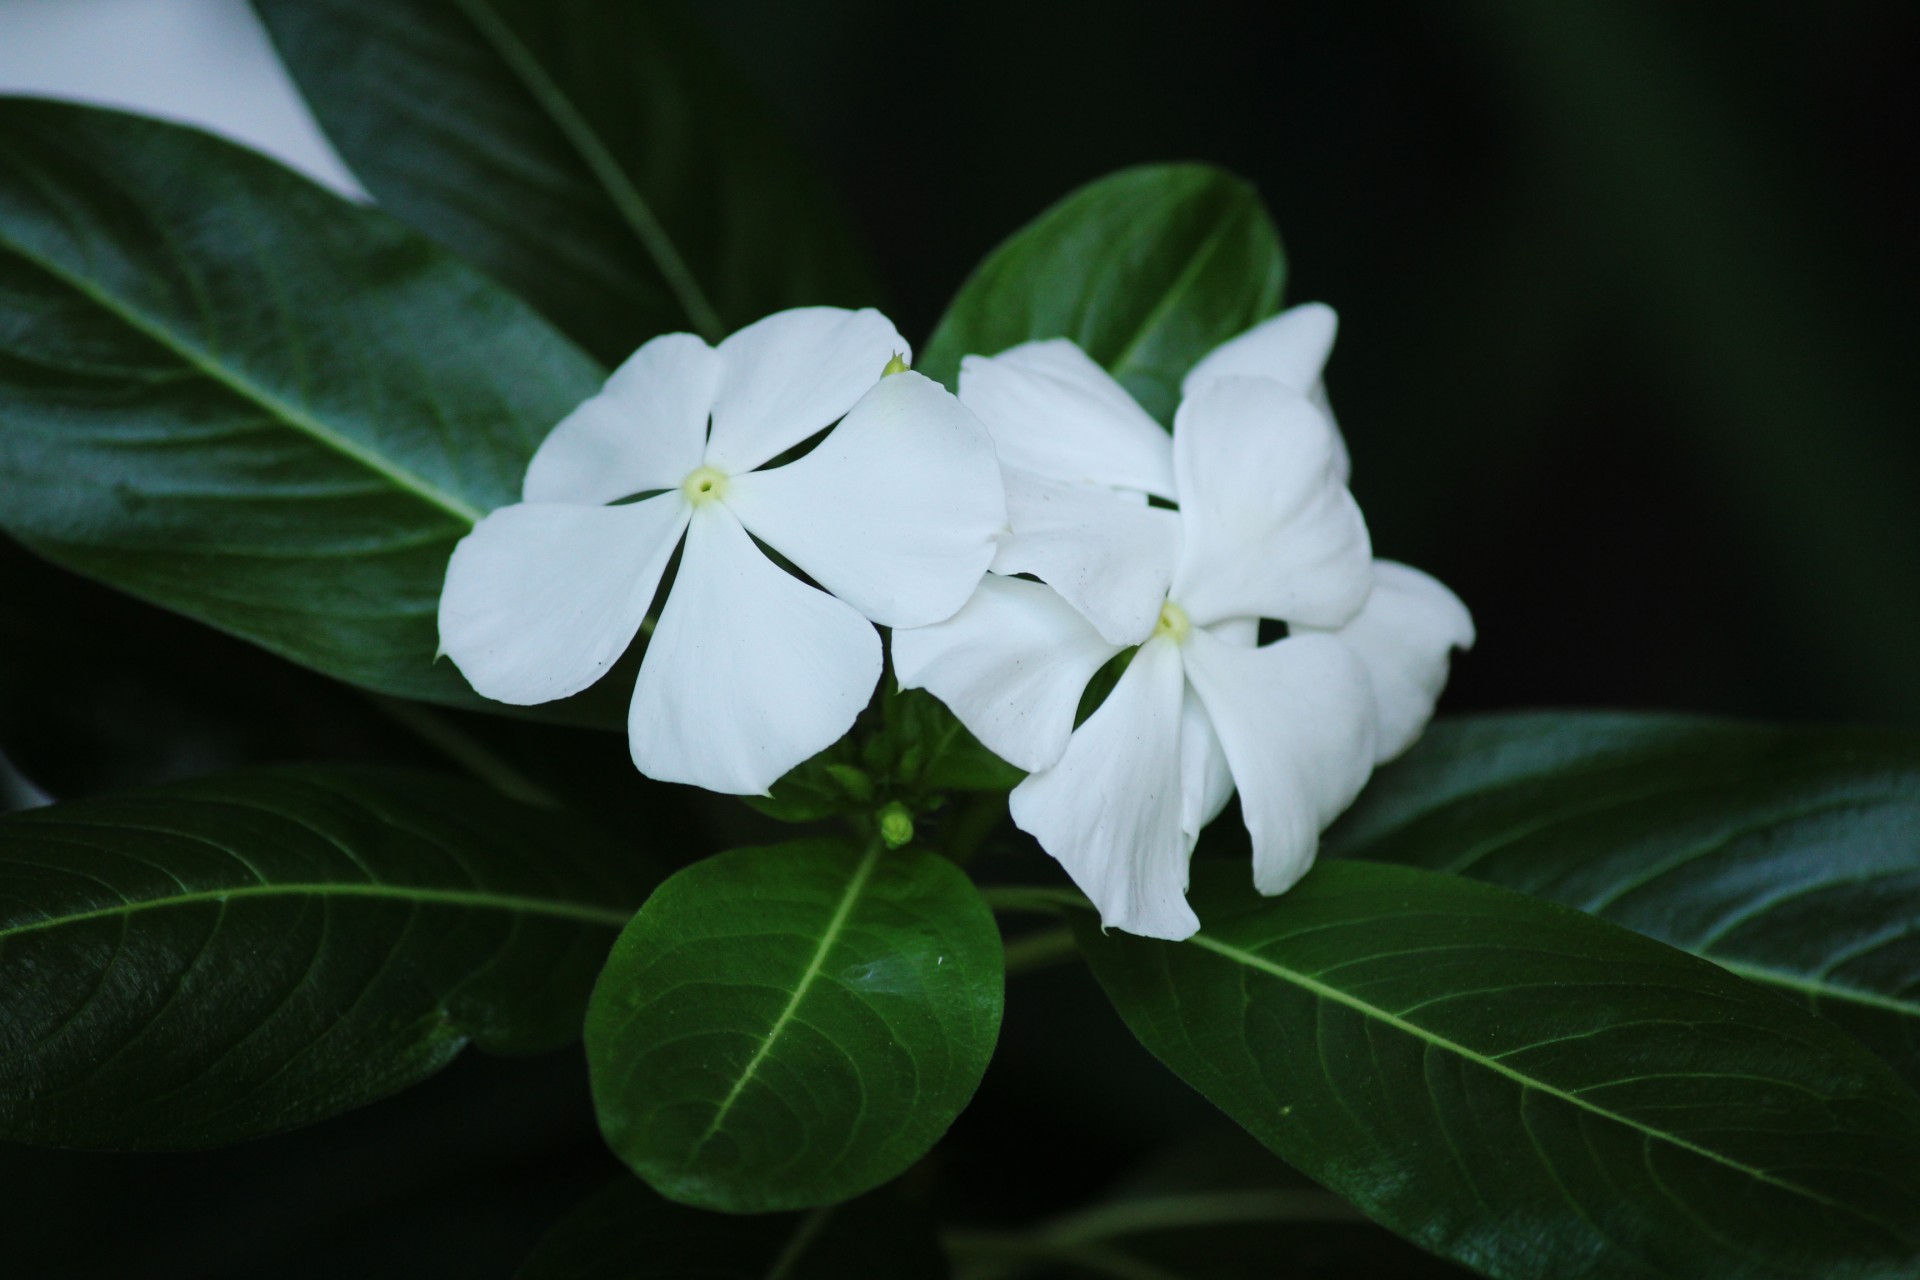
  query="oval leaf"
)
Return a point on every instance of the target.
[
  {"x": 603, "y": 160},
  {"x": 1147, "y": 270},
  {"x": 230, "y": 957},
  {"x": 1790, "y": 856},
  {"x": 790, "y": 1026},
  {"x": 626, "y": 1232},
  {"x": 229, "y": 392},
  {"x": 1524, "y": 1088}
]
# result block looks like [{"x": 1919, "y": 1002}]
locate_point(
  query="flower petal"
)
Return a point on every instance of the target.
[
  {"x": 1268, "y": 530},
  {"x": 897, "y": 511},
  {"x": 1054, "y": 412},
  {"x": 750, "y": 671},
  {"x": 793, "y": 374},
  {"x": 1011, "y": 665},
  {"x": 645, "y": 430},
  {"x": 1404, "y": 636},
  {"x": 1108, "y": 552},
  {"x": 1206, "y": 783},
  {"x": 1292, "y": 349},
  {"x": 542, "y": 597},
  {"x": 1296, "y": 721},
  {"x": 1109, "y": 811}
]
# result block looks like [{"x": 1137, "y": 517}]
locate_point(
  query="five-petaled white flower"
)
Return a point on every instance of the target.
[
  {"x": 750, "y": 670},
  {"x": 1264, "y": 529}
]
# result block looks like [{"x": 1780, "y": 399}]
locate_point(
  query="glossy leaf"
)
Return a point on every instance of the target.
[
  {"x": 790, "y": 1026},
  {"x": 224, "y": 958},
  {"x": 229, "y": 392},
  {"x": 1147, "y": 270},
  {"x": 1524, "y": 1088},
  {"x": 1790, "y": 856},
  {"x": 626, "y": 1232},
  {"x": 602, "y": 159}
]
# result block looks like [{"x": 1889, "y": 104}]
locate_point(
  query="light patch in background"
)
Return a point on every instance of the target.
[
  {"x": 201, "y": 62},
  {"x": 17, "y": 790}
]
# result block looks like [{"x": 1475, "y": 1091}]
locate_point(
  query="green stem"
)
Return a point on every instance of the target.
[
  {"x": 799, "y": 1242},
  {"x": 456, "y": 744},
  {"x": 990, "y": 1255},
  {"x": 1201, "y": 1209},
  {"x": 1040, "y": 950},
  {"x": 1032, "y": 898}
]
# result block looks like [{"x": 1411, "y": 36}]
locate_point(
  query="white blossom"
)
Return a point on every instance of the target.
[
  {"x": 750, "y": 670},
  {"x": 1176, "y": 548}
]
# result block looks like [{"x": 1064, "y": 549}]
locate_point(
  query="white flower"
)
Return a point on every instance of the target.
[
  {"x": 750, "y": 670},
  {"x": 1265, "y": 528}
]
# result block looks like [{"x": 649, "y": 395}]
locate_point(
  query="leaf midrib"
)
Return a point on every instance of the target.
[
  {"x": 1180, "y": 284},
  {"x": 609, "y": 917},
  {"x": 633, "y": 207},
  {"x": 288, "y": 414},
  {"x": 1323, "y": 991},
  {"x": 829, "y": 936}
]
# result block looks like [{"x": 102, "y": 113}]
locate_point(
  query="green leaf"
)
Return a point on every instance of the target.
[
  {"x": 225, "y": 958},
  {"x": 229, "y": 392},
  {"x": 626, "y": 1232},
  {"x": 1147, "y": 270},
  {"x": 1790, "y": 856},
  {"x": 1524, "y": 1088},
  {"x": 602, "y": 159},
  {"x": 789, "y": 1026}
]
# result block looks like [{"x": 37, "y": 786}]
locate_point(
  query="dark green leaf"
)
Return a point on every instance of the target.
[
  {"x": 225, "y": 958},
  {"x": 1524, "y": 1088},
  {"x": 601, "y": 158},
  {"x": 1147, "y": 270},
  {"x": 790, "y": 1026},
  {"x": 626, "y": 1232},
  {"x": 1790, "y": 856},
  {"x": 229, "y": 392}
]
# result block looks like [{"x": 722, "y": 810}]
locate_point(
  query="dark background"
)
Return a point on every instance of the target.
[{"x": 1626, "y": 359}]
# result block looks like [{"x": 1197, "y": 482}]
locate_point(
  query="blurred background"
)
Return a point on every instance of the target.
[{"x": 1627, "y": 358}]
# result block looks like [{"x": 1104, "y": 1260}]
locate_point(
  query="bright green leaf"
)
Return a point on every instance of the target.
[
  {"x": 603, "y": 160},
  {"x": 1147, "y": 270},
  {"x": 1524, "y": 1088},
  {"x": 626, "y": 1232},
  {"x": 1790, "y": 856},
  {"x": 229, "y": 392},
  {"x": 224, "y": 958},
  {"x": 790, "y": 1026}
]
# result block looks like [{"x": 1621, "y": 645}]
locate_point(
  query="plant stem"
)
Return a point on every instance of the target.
[
  {"x": 990, "y": 1255},
  {"x": 1032, "y": 898},
  {"x": 459, "y": 746},
  {"x": 1040, "y": 950}
]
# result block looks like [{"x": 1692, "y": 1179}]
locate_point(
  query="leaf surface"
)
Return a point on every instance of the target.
[
  {"x": 225, "y": 958},
  {"x": 790, "y": 1026},
  {"x": 1523, "y": 1088}
]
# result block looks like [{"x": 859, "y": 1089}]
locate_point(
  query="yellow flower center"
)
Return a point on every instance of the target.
[
  {"x": 1173, "y": 624},
  {"x": 704, "y": 484}
]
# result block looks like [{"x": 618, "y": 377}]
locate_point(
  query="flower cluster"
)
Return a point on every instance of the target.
[{"x": 1018, "y": 540}]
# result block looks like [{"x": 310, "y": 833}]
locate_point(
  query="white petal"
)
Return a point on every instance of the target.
[
  {"x": 1206, "y": 783},
  {"x": 1268, "y": 531},
  {"x": 542, "y": 597},
  {"x": 1404, "y": 636},
  {"x": 1056, "y": 413},
  {"x": 1011, "y": 665},
  {"x": 208, "y": 63},
  {"x": 1108, "y": 552},
  {"x": 750, "y": 671},
  {"x": 1292, "y": 348},
  {"x": 1110, "y": 810},
  {"x": 793, "y": 374},
  {"x": 897, "y": 511},
  {"x": 1296, "y": 721},
  {"x": 645, "y": 430}
]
